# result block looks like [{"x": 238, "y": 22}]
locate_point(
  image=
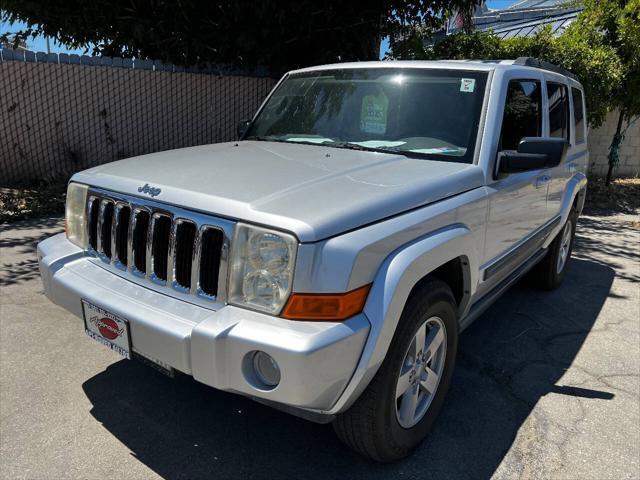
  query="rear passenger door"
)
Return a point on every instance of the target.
[
  {"x": 560, "y": 126},
  {"x": 578, "y": 159}
]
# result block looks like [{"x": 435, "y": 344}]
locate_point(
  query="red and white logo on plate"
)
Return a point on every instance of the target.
[{"x": 107, "y": 327}]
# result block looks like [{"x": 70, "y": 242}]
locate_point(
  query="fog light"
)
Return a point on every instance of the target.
[{"x": 266, "y": 369}]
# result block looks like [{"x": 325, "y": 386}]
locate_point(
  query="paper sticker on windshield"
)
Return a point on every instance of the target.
[
  {"x": 456, "y": 151},
  {"x": 373, "y": 118},
  {"x": 467, "y": 84}
]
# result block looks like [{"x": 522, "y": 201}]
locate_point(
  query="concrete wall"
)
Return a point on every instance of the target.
[
  {"x": 599, "y": 142},
  {"x": 58, "y": 116}
]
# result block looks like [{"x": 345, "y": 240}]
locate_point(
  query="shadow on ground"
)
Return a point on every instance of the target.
[
  {"x": 621, "y": 196},
  {"x": 513, "y": 355},
  {"x": 24, "y": 244},
  {"x": 594, "y": 241}
]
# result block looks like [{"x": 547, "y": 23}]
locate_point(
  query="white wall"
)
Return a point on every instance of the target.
[{"x": 599, "y": 142}]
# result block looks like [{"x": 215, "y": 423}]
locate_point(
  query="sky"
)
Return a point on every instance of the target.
[
  {"x": 499, "y": 4},
  {"x": 39, "y": 44}
]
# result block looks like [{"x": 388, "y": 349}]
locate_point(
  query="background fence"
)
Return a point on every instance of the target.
[{"x": 64, "y": 113}]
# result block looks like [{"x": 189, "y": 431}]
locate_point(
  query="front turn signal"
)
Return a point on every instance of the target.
[{"x": 326, "y": 307}]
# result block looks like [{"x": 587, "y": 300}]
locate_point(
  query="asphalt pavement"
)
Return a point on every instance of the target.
[{"x": 546, "y": 386}]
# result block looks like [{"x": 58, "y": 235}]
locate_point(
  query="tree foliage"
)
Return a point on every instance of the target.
[
  {"x": 280, "y": 34},
  {"x": 615, "y": 24}
]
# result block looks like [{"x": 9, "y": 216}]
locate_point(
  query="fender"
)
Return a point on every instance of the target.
[
  {"x": 393, "y": 283},
  {"x": 576, "y": 186}
]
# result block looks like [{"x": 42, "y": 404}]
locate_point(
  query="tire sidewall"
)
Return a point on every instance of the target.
[
  {"x": 438, "y": 305},
  {"x": 558, "y": 277}
]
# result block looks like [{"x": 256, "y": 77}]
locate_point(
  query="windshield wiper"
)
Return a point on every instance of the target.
[
  {"x": 362, "y": 148},
  {"x": 345, "y": 145},
  {"x": 266, "y": 138}
]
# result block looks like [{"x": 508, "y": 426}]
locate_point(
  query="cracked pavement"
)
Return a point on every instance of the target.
[{"x": 546, "y": 386}]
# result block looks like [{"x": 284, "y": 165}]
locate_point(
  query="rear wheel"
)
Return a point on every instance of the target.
[
  {"x": 550, "y": 272},
  {"x": 398, "y": 408}
]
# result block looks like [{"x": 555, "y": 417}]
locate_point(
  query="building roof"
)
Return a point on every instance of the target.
[{"x": 525, "y": 18}]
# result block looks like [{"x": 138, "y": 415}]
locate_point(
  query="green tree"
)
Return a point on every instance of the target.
[
  {"x": 280, "y": 34},
  {"x": 616, "y": 24}
]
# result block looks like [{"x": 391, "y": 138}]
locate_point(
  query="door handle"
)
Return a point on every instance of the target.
[{"x": 542, "y": 180}]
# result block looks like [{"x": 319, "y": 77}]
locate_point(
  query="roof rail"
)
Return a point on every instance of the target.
[{"x": 534, "y": 62}]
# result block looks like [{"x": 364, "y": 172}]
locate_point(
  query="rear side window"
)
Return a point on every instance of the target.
[
  {"x": 558, "y": 110},
  {"x": 522, "y": 113},
  {"x": 578, "y": 115}
]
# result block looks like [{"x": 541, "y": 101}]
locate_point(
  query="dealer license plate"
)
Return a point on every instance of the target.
[{"x": 107, "y": 328}]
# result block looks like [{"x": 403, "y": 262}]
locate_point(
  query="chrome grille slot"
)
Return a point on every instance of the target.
[
  {"x": 140, "y": 231},
  {"x": 161, "y": 233},
  {"x": 123, "y": 214},
  {"x": 93, "y": 212},
  {"x": 159, "y": 245},
  {"x": 105, "y": 226},
  {"x": 183, "y": 252},
  {"x": 211, "y": 241}
]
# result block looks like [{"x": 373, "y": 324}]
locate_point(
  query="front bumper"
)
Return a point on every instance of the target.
[{"x": 316, "y": 359}]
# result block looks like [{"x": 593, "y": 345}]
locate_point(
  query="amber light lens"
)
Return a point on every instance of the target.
[{"x": 326, "y": 307}]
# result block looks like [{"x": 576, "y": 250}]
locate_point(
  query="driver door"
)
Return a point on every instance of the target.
[{"x": 517, "y": 201}]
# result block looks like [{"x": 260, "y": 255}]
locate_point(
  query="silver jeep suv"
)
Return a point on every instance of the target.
[{"x": 327, "y": 261}]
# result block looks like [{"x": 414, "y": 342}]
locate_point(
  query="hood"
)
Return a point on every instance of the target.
[{"x": 313, "y": 191}]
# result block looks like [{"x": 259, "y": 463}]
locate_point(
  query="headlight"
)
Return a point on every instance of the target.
[
  {"x": 261, "y": 268},
  {"x": 75, "y": 221}
]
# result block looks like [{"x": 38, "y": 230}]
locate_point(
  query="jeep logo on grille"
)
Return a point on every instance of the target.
[{"x": 149, "y": 190}]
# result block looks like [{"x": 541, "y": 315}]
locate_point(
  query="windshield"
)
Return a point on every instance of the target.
[{"x": 430, "y": 113}]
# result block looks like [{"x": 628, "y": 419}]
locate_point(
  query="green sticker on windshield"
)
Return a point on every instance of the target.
[{"x": 373, "y": 118}]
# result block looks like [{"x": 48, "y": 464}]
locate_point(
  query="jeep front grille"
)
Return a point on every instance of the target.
[{"x": 164, "y": 246}]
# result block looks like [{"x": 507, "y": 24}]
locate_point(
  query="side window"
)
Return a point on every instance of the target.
[
  {"x": 578, "y": 115},
  {"x": 522, "y": 113},
  {"x": 558, "y": 110}
]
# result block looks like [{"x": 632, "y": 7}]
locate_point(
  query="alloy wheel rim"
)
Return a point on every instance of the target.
[
  {"x": 421, "y": 371},
  {"x": 565, "y": 243}
]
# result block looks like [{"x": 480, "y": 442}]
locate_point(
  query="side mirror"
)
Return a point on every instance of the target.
[
  {"x": 534, "y": 153},
  {"x": 243, "y": 126}
]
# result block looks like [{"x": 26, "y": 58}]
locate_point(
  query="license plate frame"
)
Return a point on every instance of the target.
[{"x": 107, "y": 328}]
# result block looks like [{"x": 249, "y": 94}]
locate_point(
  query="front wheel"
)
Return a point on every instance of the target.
[{"x": 398, "y": 408}]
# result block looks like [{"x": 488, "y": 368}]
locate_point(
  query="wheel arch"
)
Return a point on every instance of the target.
[
  {"x": 455, "y": 273},
  {"x": 574, "y": 197},
  {"x": 449, "y": 254}
]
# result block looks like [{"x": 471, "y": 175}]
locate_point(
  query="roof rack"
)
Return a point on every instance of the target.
[{"x": 534, "y": 62}]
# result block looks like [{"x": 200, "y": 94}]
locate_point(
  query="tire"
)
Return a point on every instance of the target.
[
  {"x": 551, "y": 270},
  {"x": 372, "y": 426}
]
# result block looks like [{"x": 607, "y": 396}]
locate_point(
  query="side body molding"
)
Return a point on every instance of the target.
[{"x": 393, "y": 283}]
